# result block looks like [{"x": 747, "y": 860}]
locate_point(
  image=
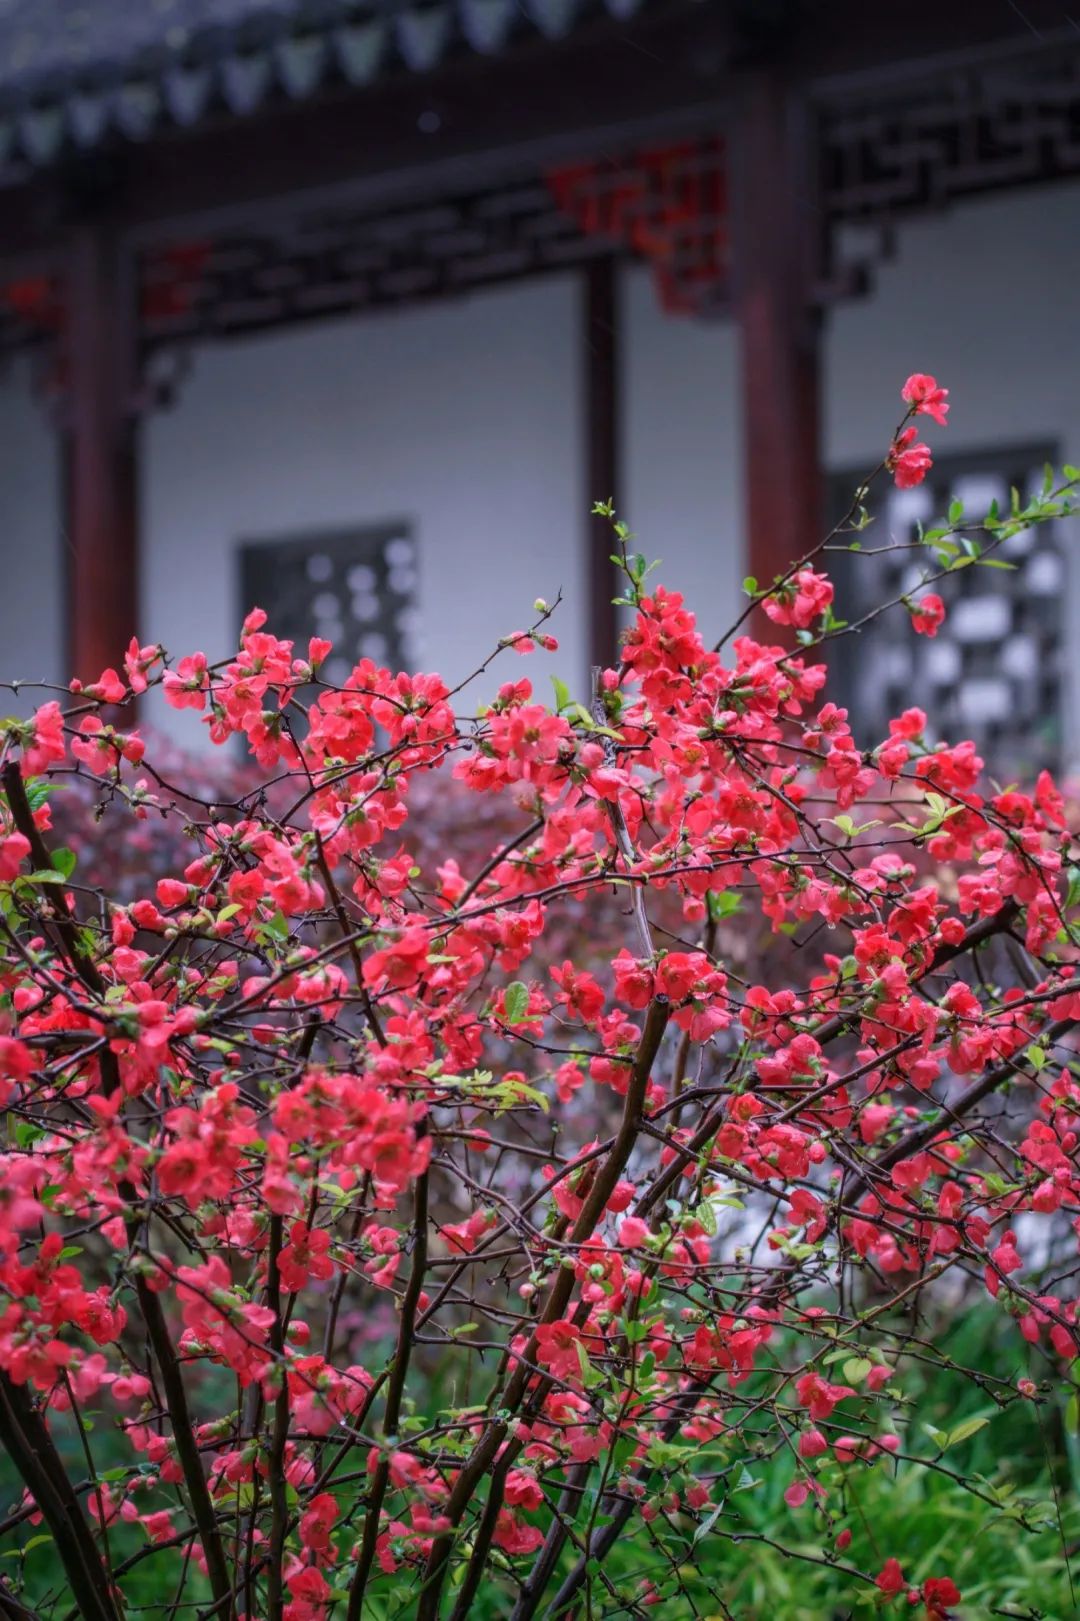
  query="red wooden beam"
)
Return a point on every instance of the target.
[
  {"x": 773, "y": 269},
  {"x": 600, "y": 346},
  {"x": 101, "y": 489}
]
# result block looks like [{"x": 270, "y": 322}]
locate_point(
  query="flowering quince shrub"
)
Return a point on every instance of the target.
[{"x": 652, "y": 1217}]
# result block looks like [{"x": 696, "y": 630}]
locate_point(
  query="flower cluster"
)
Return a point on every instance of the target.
[{"x": 406, "y": 1242}]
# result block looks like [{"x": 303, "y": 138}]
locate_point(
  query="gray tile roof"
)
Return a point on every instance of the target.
[{"x": 75, "y": 71}]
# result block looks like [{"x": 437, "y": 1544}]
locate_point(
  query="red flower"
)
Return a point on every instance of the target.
[
  {"x": 909, "y": 460},
  {"x": 800, "y": 600},
  {"x": 523, "y": 1489},
  {"x": 922, "y": 392},
  {"x": 890, "y": 1577},
  {"x": 938, "y": 1592},
  {"x": 812, "y": 1444},
  {"x": 14, "y": 849},
  {"x": 515, "y": 1537},
  {"x": 818, "y": 1395},
  {"x": 556, "y": 1348},
  {"x": 185, "y": 687},
  {"x": 306, "y": 1256},
  {"x": 181, "y": 1168},
  {"x": 633, "y": 1232},
  {"x": 309, "y": 1591},
  {"x": 927, "y": 615},
  {"x": 317, "y": 1522}
]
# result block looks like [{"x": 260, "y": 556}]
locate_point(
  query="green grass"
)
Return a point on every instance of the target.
[{"x": 761, "y": 1559}]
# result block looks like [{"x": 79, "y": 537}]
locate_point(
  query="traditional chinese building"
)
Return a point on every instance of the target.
[{"x": 352, "y": 307}]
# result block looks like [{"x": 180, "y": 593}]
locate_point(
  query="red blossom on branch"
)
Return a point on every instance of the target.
[{"x": 470, "y": 1135}]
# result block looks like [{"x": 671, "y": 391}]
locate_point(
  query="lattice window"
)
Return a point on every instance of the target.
[
  {"x": 995, "y": 670},
  {"x": 356, "y": 587}
]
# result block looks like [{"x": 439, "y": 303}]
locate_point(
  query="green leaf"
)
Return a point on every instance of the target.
[
  {"x": 590, "y": 1376},
  {"x": 64, "y": 860},
  {"x": 970, "y": 1427},
  {"x": 516, "y": 1002},
  {"x": 708, "y": 1522},
  {"x": 38, "y": 791},
  {"x": 562, "y": 693},
  {"x": 510, "y": 1094},
  {"x": 856, "y": 1369},
  {"x": 1073, "y": 896}
]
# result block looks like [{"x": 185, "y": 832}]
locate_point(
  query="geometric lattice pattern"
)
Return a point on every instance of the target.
[
  {"x": 943, "y": 133},
  {"x": 946, "y": 131},
  {"x": 881, "y": 152},
  {"x": 994, "y": 671},
  {"x": 320, "y": 262},
  {"x": 356, "y": 588},
  {"x": 666, "y": 205}
]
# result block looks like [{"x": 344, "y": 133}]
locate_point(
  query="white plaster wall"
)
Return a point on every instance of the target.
[
  {"x": 31, "y": 574},
  {"x": 465, "y": 419},
  {"x": 681, "y": 451},
  {"x": 987, "y": 297},
  {"x": 460, "y": 418}
]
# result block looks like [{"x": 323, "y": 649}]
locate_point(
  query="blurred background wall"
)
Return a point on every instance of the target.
[{"x": 463, "y": 419}]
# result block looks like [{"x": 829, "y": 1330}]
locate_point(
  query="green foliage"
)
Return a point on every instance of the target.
[{"x": 1000, "y": 1536}]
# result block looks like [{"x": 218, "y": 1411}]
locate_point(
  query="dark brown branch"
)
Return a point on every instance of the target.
[
  {"x": 279, "y": 1510},
  {"x": 11, "y": 1608},
  {"x": 26, "y": 1440},
  {"x": 656, "y": 1020},
  {"x": 150, "y": 1306},
  {"x": 56, "y": 901},
  {"x": 394, "y": 1394}
]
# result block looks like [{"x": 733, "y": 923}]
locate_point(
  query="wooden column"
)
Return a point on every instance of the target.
[
  {"x": 774, "y": 234},
  {"x": 600, "y": 346},
  {"x": 101, "y": 490}
]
